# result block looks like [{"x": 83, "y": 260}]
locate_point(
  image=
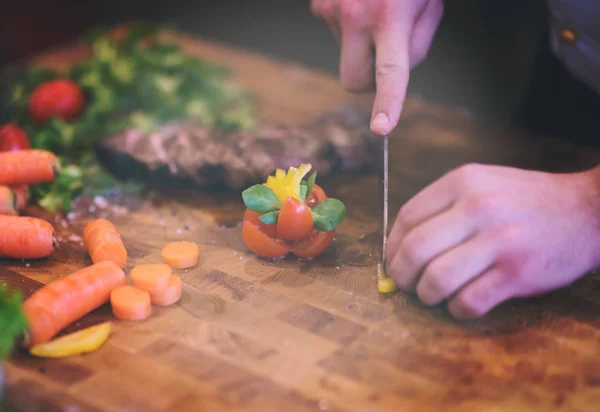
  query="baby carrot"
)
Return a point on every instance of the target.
[
  {"x": 28, "y": 167},
  {"x": 8, "y": 201},
  {"x": 69, "y": 298},
  {"x": 169, "y": 295},
  {"x": 22, "y": 194},
  {"x": 151, "y": 277},
  {"x": 103, "y": 242},
  {"x": 25, "y": 238},
  {"x": 180, "y": 255},
  {"x": 130, "y": 303}
]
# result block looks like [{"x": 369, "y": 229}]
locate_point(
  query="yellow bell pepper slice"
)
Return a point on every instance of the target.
[
  {"x": 286, "y": 185},
  {"x": 83, "y": 341}
]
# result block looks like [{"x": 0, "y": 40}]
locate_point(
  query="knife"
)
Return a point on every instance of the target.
[
  {"x": 384, "y": 284},
  {"x": 382, "y": 267}
]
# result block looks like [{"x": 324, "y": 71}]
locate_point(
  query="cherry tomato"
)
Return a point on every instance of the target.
[
  {"x": 57, "y": 98},
  {"x": 13, "y": 138},
  {"x": 295, "y": 221},
  {"x": 316, "y": 196},
  {"x": 252, "y": 217},
  {"x": 260, "y": 243},
  {"x": 314, "y": 245}
]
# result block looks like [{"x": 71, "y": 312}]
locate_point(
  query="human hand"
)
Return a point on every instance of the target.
[
  {"x": 381, "y": 40},
  {"x": 481, "y": 235}
]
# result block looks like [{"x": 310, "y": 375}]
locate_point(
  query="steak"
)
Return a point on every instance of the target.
[{"x": 185, "y": 151}]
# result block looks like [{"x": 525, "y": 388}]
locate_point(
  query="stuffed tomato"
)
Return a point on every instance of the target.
[{"x": 289, "y": 214}]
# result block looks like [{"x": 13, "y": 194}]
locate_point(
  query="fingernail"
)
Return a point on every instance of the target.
[{"x": 380, "y": 121}]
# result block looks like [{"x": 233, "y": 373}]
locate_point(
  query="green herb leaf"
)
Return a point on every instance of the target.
[
  {"x": 12, "y": 320},
  {"x": 310, "y": 183},
  {"x": 269, "y": 218},
  {"x": 303, "y": 191},
  {"x": 328, "y": 214},
  {"x": 260, "y": 199}
]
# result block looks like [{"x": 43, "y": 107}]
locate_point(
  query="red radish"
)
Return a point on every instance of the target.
[
  {"x": 13, "y": 138},
  {"x": 60, "y": 98}
]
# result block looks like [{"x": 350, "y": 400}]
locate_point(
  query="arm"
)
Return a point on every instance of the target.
[{"x": 381, "y": 40}]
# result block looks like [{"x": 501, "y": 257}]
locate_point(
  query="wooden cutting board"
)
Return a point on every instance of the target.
[{"x": 249, "y": 335}]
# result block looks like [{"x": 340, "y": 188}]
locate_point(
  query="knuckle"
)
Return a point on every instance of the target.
[
  {"x": 480, "y": 204},
  {"x": 414, "y": 249},
  {"x": 355, "y": 83},
  {"x": 391, "y": 67},
  {"x": 466, "y": 305},
  {"x": 432, "y": 287},
  {"x": 351, "y": 12}
]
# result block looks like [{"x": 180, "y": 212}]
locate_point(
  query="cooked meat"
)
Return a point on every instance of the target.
[{"x": 184, "y": 150}]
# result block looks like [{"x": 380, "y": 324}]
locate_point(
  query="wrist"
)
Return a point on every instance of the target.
[{"x": 587, "y": 187}]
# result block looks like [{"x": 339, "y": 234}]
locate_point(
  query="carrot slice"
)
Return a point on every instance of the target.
[
  {"x": 28, "y": 167},
  {"x": 169, "y": 295},
  {"x": 67, "y": 299},
  {"x": 103, "y": 242},
  {"x": 25, "y": 238},
  {"x": 151, "y": 277},
  {"x": 130, "y": 303},
  {"x": 22, "y": 194},
  {"x": 180, "y": 255},
  {"x": 8, "y": 201}
]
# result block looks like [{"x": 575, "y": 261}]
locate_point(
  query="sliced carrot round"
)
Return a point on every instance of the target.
[
  {"x": 130, "y": 303},
  {"x": 169, "y": 295},
  {"x": 180, "y": 255},
  {"x": 151, "y": 277}
]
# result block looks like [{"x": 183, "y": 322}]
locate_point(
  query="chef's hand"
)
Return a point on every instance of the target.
[
  {"x": 484, "y": 234},
  {"x": 400, "y": 31}
]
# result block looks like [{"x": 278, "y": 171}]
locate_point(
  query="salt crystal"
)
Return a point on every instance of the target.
[
  {"x": 101, "y": 202},
  {"x": 92, "y": 208},
  {"x": 337, "y": 267},
  {"x": 27, "y": 265},
  {"x": 75, "y": 238},
  {"x": 241, "y": 257},
  {"x": 179, "y": 231},
  {"x": 71, "y": 216},
  {"x": 64, "y": 224}
]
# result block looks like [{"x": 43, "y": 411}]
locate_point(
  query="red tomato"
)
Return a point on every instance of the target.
[
  {"x": 315, "y": 245},
  {"x": 252, "y": 217},
  {"x": 295, "y": 221},
  {"x": 262, "y": 244},
  {"x": 57, "y": 98},
  {"x": 316, "y": 196},
  {"x": 13, "y": 138}
]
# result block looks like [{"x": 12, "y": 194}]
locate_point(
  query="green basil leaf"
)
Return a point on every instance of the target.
[
  {"x": 303, "y": 191},
  {"x": 269, "y": 218},
  {"x": 310, "y": 183},
  {"x": 328, "y": 214},
  {"x": 260, "y": 199}
]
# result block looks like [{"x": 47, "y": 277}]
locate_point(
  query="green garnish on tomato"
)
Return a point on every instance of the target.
[{"x": 288, "y": 214}]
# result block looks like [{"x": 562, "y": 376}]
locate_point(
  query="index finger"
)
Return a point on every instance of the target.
[{"x": 392, "y": 68}]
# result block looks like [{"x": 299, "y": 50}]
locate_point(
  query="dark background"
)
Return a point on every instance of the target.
[{"x": 482, "y": 59}]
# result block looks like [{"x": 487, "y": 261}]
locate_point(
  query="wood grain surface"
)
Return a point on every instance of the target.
[{"x": 250, "y": 335}]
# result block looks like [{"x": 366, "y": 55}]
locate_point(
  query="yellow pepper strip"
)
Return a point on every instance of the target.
[
  {"x": 83, "y": 341},
  {"x": 286, "y": 185}
]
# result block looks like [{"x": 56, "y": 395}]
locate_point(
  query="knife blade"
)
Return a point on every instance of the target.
[{"x": 382, "y": 267}]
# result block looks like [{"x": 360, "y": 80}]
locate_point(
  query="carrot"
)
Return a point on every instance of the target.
[
  {"x": 180, "y": 255},
  {"x": 151, "y": 277},
  {"x": 103, "y": 242},
  {"x": 8, "y": 201},
  {"x": 28, "y": 167},
  {"x": 130, "y": 303},
  {"x": 67, "y": 299},
  {"x": 25, "y": 238},
  {"x": 169, "y": 295},
  {"x": 22, "y": 194}
]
